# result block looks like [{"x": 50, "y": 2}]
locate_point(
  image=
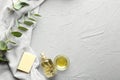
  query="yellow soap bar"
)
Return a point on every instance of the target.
[{"x": 26, "y": 62}]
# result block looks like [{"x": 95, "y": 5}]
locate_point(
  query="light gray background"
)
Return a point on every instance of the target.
[{"x": 87, "y": 31}]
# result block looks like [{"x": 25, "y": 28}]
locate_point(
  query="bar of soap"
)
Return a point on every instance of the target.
[{"x": 26, "y": 62}]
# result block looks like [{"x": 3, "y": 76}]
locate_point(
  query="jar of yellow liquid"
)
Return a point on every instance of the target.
[
  {"x": 61, "y": 62},
  {"x": 48, "y": 66}
]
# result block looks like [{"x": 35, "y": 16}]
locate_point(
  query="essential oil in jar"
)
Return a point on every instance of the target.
[
  {"x": 48, "y": 66},
  {"x": 61, "y": 62}
]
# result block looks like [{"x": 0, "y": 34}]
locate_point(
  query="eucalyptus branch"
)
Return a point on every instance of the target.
[{"x": 28, "y": 21}]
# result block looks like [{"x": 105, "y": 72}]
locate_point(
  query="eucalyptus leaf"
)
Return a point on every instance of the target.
[
  {"x": 3, "y": 59},
  {"x": 29, "y": 23},
  {"x": 32, "y": 19},
  {"x": 3, "y": 46},
  {"x": 37, "y": 15},
  {"x": 22, "y": 28},
  {"x": 19, "y": 5},
  {"x": 24, "y": 4},
  {"x": 1, "y": 55},
  {"x": 16, "y": 34}
]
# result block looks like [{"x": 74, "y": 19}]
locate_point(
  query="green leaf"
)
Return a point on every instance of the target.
[
  {"x": 19, "y": 5},
  {"x": 37, "y": 15},
  {"x": 24, "y": 4},
  {"x": 29, "y": 23},
  {"x": 3, "y": 46},
  {"x": 32, "y": 19},
  {"x": 22, "y": 28},
  {"x": 3, "y": 59},
  {"x": 16, "y": 34},
  {"x": 1, "y": 55}
]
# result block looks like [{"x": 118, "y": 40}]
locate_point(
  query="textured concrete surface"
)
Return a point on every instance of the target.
[{"x": 87, "y": 31}]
